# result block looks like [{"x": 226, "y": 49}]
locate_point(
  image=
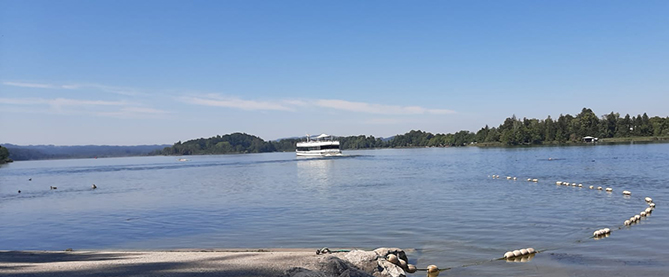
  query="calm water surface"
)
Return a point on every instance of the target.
[{"x": 439, "y": 202}]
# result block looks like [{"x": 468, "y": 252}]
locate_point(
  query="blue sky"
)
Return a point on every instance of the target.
[{"x": 145, "y": 72}]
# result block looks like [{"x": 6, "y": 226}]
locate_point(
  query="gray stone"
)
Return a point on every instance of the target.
[
  {"x": 389, "y": 269},
  {"x": 383, "y": 252},
  {"x": 363, "y": 260}
]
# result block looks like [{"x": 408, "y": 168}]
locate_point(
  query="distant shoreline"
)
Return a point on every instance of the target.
[{"x": 605, "y": 141}]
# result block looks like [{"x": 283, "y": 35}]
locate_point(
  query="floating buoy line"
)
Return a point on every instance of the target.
[{"x": 526, "y": 254}]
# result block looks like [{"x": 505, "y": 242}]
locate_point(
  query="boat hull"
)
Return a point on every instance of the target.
[{"x": 319, "y": 153}]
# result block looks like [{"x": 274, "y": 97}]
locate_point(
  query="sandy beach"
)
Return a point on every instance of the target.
[{"x": 231, "y": 262}]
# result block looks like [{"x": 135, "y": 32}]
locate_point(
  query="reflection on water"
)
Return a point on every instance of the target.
[{"x": 315, "y": 172}]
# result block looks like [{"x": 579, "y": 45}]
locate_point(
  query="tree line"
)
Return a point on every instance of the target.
[
  {"x": 513, "y": 131},
  {"x": 572, "y": 129},
  {"x": 4, "y": 155}
]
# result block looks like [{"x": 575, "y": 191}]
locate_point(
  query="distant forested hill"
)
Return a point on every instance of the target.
[
  {"x": 513, "y": 131},
  {"x": 4, "y": 155},
  {"x": 227, "y": 144},
  {"x": 41, "y": 152}
]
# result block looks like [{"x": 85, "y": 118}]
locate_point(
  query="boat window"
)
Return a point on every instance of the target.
[{"x": 330, "y": 147}]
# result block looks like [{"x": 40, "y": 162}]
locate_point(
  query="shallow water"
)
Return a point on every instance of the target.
[{"x": 439, "y": 202}]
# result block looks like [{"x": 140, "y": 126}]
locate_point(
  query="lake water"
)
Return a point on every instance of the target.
[{"x": 441, "y": 203}]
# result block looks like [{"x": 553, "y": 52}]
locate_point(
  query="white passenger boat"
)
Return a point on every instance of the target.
[{"x": 319, "y": 146}]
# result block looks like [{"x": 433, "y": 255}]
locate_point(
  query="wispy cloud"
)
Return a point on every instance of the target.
[
  {"x": 216, "y": 100},
  {"x": 30, "y": 85},
  {"x": 61, "y": 102},
  {"x": 134, "y": 112},
  {"x": 104, "y": 88},
  {"x": 362, "y": 107},
  {"x": 118, "y": 109},
  {"x": 386, "y": 121},
  {"x": 235, "y": 103}
]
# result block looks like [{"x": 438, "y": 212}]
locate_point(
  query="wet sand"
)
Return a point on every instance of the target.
[{"x": 226, "y": 262}]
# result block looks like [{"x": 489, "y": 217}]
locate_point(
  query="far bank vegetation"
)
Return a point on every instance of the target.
[{"x": 566, "y": 129}]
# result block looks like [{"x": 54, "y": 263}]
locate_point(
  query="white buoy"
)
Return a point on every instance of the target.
[
  {"x": 529, "y": 179},
  {"x": 637, "y": 217},
  {"x": 403, "y": 264},
  {"x": 648, "y": 210},
  {"x": 393, "y": 259},
  {"x": 508, "y": 177},
  {"x": 648, "y": 199},
  {"x": 627, "y": 222},
  {"x": 627, "y": 192},
  {"x": 580, "y": 185},
  {"x": 565, "y": 183},
  {"x": 609, "y": 189},
  {"x": 523, "y": 252},
  {"x": 516, "y": 253},
  {"x": 652, "y": 205},
  {"x": 514, "y": 178},
  {"x": 558, "y": 183},
  {"x": 411, "y": 268},
  {"x": 599, "y": 188},
  {"x": 432, "y": 269},
  {"x": 509, "y": 255},
  {"x": 535, "y": 180},
  {"x": 591, "y": 187},
  {"x": 531, "y": 250},
  {"x": 573, "y": 184}
]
